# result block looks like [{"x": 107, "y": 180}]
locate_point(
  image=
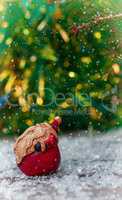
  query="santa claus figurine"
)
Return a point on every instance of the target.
[{"x": 37, "y": 152}]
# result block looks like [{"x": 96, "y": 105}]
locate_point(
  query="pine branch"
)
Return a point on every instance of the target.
[{"x": 96, "y": 21}]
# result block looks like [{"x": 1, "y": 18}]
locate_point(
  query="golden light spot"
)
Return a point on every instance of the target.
[
  {"x": 97, "y": 35},
  {"x": 4, "y": 74},
  {"x": 29, "y": 122},
  {"x": 64, "y": 105},
  {"x": 42, "y": 25},
  {"x": 94, "y": 113},
  {"x": 39, "y": 101},
  {"x": 69, "y": 101},
  {"x": 63, "y": 33},
  {"x": 1, "y": 7},
  {"x": 79, "y": 86},
  {"x": 94, "y": 94},
  {"x": 1, "y": 37},
  {"x": 41, "y": 87},
  {"x": 27, "y": 73},
  {"x": 25, "y": 84},
  {"x": 10, "y": 83},
  {"x": 105, "y": 76},
  {"x": 18, "y": 91},
  {"x": 22, "y": 101},
  {"x": 72, "y": 74},
  {"x": 98, "y": 94},
  {"x": 86, "y": 59},
  {"x": 26, "y": 31},
  {"x": 116, "y": 68},
  {"x": 33, "y": 58},
  {"x": 25, "y": 108},
  {"x": 4, "y": 24},
  {"x": 22, "y": 63},
  {"x": 8, "y": 41},
  {"x": 48, "y": 53},
  {"x": 95, "y": 76}
]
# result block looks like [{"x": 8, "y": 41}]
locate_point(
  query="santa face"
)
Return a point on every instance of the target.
[{"x": 37, "y": 151}]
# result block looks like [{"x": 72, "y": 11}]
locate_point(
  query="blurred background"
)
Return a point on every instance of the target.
[{"x": 60, "y": 58}]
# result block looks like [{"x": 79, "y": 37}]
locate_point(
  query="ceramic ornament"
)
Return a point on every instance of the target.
[{"x": 37, "y": 152}]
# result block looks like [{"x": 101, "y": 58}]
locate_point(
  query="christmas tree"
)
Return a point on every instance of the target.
[{"x": 60, "y": 58}]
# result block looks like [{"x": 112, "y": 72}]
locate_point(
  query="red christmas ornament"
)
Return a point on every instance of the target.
[{"x": 37, "y": 152}]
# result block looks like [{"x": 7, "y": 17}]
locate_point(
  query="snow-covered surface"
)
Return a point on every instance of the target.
[{"x": 91, "y": 169}]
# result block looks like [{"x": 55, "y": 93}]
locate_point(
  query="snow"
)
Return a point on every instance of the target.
[{"x": 91, "y": 168}]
